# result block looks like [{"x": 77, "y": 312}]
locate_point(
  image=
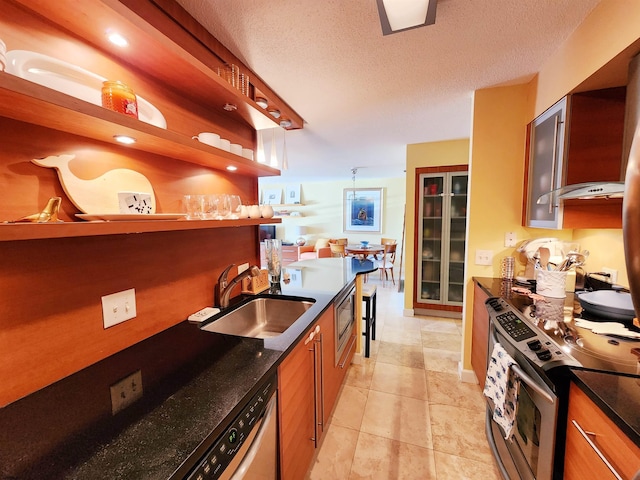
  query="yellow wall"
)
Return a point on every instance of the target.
[
  {"x": 451, "y": 152},
  {"x": 498, "y": 147},
  {"x": 322, "y": 210}
]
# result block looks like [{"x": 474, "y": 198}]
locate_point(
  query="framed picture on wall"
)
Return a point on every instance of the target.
[
  {"x": 362, "y": 210},
  {"x": 272, "y": 197},
  {"x": 292, "y": 194}
]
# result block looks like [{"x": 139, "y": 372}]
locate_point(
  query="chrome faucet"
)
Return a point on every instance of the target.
[{"x": 224, "y": 286}]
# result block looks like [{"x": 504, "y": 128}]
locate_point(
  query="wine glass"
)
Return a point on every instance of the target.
[
  {"x": 224, "y": 206},
  {"x": 236, "y": 206}
]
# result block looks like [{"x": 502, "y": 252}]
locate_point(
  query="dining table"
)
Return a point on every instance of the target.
[{"x": 363, "y": 252}]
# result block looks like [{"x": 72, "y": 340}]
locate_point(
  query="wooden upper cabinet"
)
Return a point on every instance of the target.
[{"x": 581, "y": 140}]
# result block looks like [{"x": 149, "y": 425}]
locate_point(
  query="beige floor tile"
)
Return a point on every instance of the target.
[
  {"x": 458, "y": 431},
  {"x": 400, "y": 323},
  {"x": 451, "y": 342},
  {"x": 438, "y": 325},
  {"x": 350, "y": 407},
  {"x": 401, "y": 380},
  {"x": 336, "y": 454},
  {"x": 398, "y": 354},
  {"x": 452, "y": 467},
  {"x": 441, "y": 360},
  {"x": 447, "y": 389},
  {"x": 360, "y": 374},
  {"x": 399, "y": 418},
  {"x": 405, "y": 337},
  {"x": 379, "y": 458}
]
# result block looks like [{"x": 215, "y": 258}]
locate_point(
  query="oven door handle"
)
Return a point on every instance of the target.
[{"x": 531, "y": 383}]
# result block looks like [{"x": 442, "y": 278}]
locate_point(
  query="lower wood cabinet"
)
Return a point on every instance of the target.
[
  {"x": 595, "y": 446},
  {"x": 309, "y": 381},
  {"x": 479, "y": 334}
]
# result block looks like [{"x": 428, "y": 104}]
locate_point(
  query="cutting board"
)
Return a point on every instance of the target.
[{"x": 98, "y": 195}]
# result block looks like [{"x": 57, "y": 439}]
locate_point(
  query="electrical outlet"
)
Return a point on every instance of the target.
[
  {"x": 126, "y": 391},
  {"x": 613, "y": 274},
  {"x": 242, "y": 268},
  {"x": 510, "y": 239},
  {"x": 118, "y": 307},
  {"x": 484, "y": 257}
]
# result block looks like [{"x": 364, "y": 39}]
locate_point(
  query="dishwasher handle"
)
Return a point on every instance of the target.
[{"x": 257, "y": 441}]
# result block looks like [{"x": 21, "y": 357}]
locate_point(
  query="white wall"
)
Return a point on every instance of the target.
[{"x": 322, "y": 209}]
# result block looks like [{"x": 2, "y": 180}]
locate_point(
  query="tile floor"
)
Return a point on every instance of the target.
[{"x": 403, "y": 413}]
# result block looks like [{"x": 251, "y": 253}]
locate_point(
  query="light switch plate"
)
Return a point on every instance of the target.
[
  {"x": 484, "y": 257},
  {"x": 118, "y": 307}
]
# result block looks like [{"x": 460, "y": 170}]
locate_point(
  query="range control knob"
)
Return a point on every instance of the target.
[{"x": 534, "y": 345}]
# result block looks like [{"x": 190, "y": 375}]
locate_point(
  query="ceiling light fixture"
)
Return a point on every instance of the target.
[
  {"x": 274, "y": 113},
  {"x": 285, "y": 122},
  {"x": 117, "y": 39},
  {"x": 400, "y": 15},
  {"x": 262, "y": 102},
  {"x": 231, "y": 168},
  {"x": 127, "y": 140}
]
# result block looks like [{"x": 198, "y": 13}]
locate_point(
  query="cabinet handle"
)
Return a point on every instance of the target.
[
  {"x": 587, "y": 436},
  {"x": 556, "y": 127},
  {"x": 320, "y": 342},
  {"x": 352, "y": 342}
]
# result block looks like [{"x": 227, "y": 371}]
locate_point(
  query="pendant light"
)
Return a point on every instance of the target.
[
  {"x": 285, "y": 160},
  {"x": 274, "y": 153},
  {"x": 260, "y": 153}
]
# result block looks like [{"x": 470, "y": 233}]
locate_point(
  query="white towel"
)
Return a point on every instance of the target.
[{"x": 502, "y": 386}]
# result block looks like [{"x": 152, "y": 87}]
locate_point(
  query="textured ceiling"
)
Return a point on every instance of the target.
[{"x": 365, "y": 96}]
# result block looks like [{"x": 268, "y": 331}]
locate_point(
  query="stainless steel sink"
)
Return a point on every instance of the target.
[{"x": 262, "y": 317}]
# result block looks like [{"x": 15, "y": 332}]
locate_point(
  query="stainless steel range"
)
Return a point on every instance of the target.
[{"x": 545, "y": 347}]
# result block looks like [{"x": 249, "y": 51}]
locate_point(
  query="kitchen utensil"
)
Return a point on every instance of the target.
[
  {"x": 544, "y": 257},
  {"x": 98, "y": 195},
  {"x": 610, "y": 304}
]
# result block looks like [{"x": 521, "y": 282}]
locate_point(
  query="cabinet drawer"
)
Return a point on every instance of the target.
[{"x": 582, "y": 459}]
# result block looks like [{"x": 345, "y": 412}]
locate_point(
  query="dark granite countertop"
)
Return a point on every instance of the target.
[
  {"x": 618, "y": 395},
  {"x": 194, "y": 383}
]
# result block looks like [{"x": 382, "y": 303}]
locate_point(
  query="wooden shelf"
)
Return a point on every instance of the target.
[
  {"x": 32, "y": 103},
  {"x": 38, "y": 231},
  {"x": 164, "y": 50}
]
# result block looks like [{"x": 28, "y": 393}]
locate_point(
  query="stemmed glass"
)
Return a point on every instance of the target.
[
  {"x": 224, "y": 206},
  {"x": 236, "y": 206}
]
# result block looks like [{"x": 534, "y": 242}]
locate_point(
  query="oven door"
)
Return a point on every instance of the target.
[
  {"x": 529, "y": 454},
  {"x": 344, "y": 317}
]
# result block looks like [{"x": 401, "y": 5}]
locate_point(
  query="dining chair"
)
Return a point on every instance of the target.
[
  {"x": 385, "y": 264},
  {"x": 384, "y": 241},
  {"x": 337, "y": 250}
]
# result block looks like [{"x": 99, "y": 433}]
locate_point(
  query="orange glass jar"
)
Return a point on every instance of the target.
[{"x": 119, "y": 97}]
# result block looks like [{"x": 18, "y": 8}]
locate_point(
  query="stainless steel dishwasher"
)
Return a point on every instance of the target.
[{"x": 248, "y": 449}]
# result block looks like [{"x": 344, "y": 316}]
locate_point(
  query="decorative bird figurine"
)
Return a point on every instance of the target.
[
  {"x": 98, "y": 195},
  {"x": 48, "y": 214}
]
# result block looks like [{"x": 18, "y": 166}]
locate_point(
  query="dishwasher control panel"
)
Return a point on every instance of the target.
[{"x": 223, "y": 451}]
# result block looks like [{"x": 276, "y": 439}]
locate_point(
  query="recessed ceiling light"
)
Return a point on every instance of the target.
[
  {"x": 285, "y": 123},
  {"x": 230, "y": 107},
  {"x": 117, "y": 39},
  {"x": 231, "y": 168},
  {"x": 124, "y": 139},
  {"x": 262, "y": 102},
  {"x": 274, "y": 113}
]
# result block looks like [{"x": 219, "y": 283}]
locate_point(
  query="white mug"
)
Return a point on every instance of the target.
[
  {"x": 225, "y": 144},
  {"x": 236, "y": 148},
  {"x": 247, "y": 153},
  {"x": 208, "y": 138}
]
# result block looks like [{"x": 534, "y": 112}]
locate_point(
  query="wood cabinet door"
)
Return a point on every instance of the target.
[
  {"x": 479, "y": 334},
  {"x": 582, "y": 458},
  {"x": 296, "y": 405}
]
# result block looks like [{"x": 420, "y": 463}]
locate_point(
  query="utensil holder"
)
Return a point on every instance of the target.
[{"x": 551, "y": 283}]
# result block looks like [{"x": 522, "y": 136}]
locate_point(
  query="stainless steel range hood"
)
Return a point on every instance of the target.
[{"x": 584, "y": 191}]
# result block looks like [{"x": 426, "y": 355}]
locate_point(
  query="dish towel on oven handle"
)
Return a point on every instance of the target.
[{"x": 502, "y": 386}]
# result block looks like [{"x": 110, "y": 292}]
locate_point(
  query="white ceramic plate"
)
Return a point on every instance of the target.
[
  {"x": 114, "y": 217},
  {"x": 72, "y": 80}
]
